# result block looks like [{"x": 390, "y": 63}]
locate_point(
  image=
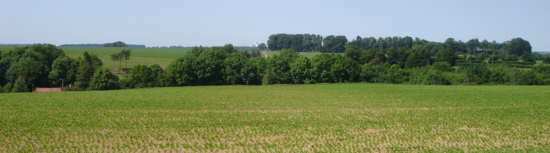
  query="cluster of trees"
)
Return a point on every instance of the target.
[
  {"x": 123, "y": 55},
  {"x": 102, "y": 45},
  {"x": 25, "y": 68},
  {"x": 223, "y": 65},
  {"x": 338, "y": 44},
  {"x": 300, "y": 42},
  {"x": 115, "y": 44}
]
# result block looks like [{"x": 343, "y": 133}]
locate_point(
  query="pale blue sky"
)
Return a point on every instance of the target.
[{"x": 241, "y": 22}]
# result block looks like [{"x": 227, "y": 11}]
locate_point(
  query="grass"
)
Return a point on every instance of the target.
[
  {"x": 304, "y": 54},
  {"x": 289, "y": 118},
  {"x": 136, "y": 52},
  {"x": 108, "y": 63}
]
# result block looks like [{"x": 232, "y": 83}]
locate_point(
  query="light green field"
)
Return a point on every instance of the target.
[
  {"x": 108, "y": 63},
  {"x": 136, "y": 52},
  {"x": 281, "y": 118},
  {"x": 304, "y": 54}
]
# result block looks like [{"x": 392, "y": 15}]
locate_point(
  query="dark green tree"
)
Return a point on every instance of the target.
[
  {"x": 209, "y": 65},
  {"x": 353, "y": 52},
  {"x": 289, "y": 53},
  {"x": 104, "y": 80},
  {"x": 233, "y": 65},
  {"x": 332, "y": 44},
  {"x": 229, "y": 48},
  {"x": 115, "y": 44},
  {"x": 142, "y": 76},
  {"x": 85, "y": 72},
  {"x": 65, "y": 68},
  {"x": 526, "y": 57},
  {"x": 114, "y": 57},
  {"x": 262, "y": 46},
  {"x": 392, "y": 56},
  {"x": 182, "y": 71},
  {"x": 546, "y": 60},
  {"x": 517, "y": 46},
  {"x": 449, "y": 56},
  {"x": 269, "y": 78},
  {"x": 300, "y": 70},
  {"x": 126, "y": 55}
]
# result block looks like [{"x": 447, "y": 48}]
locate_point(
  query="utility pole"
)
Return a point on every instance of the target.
[{"x": 61, "y": 83}]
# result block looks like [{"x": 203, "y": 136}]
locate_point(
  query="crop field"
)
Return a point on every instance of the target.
[
  {"x": 304, "y": 54},
  {"x": 357, "y": 117}
]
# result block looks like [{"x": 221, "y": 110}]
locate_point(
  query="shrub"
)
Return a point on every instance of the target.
[
  {"x": 528, "y": 78},
  {"x": 546, "y": 60},
  {"x": 428, "y": 77},
  {"x": 396, "y": 74},
  {"x": 478, "y": 73},
  {"x": 104, "y": 80},
  {"x": 370, "y": 73},
  {"x": 442, "y": 66},
  {"x": 499, "y": 76},
  {"x": 269, "y": 78}
]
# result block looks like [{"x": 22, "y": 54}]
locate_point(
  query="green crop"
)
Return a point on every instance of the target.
[{"x": 357, "y": 117}]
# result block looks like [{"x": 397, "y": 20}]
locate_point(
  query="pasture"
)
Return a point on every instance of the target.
[
  {"x": 356, "y": 117},
  {"x": 303, "y": 54}
]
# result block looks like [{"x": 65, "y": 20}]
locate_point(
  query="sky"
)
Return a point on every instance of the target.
[{"x": 243, "y": 22}]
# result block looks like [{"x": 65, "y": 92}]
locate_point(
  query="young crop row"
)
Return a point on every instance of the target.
[{"x": 329, "y": 118}]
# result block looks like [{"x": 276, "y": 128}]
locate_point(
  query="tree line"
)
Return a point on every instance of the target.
[
  {"x": 26, "y": 68},
  {"x": 338, "y": 44}
]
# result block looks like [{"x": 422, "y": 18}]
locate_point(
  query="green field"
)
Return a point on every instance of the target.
[
  {"x": 355, "y": 117},
  {"x": 304, "y": 54}
]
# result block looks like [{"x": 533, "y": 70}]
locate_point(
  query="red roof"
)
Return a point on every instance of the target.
[{"x": 49, "y": 89}]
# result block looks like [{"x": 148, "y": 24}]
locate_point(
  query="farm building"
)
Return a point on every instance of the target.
[{"x": 49, "y": 89}]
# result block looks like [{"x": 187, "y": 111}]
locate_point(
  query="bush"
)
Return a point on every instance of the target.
[
  {"x": 442, "y": 66},
  {"x": 269, "y": 78},
  {"x": 478, "y": 73},
  {"x": 397, "y": 75},
  {"x": 529, "y": 78},
  {"x": 428, "y": 77},
  {"x": 370, "y": 73},
  {"x": 546, "y": 60},
  {"x": 104, "y": 80},
  {"x": 499, "y": 76}
]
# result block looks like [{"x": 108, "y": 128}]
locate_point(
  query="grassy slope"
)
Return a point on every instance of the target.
[
  {"x": 143, "y": 56},
  {"x": 324, "y": 117}
]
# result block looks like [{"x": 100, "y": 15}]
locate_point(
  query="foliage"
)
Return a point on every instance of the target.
[
  {"x": 500, "y": 76},
  {"x": 512, "y": 57},
  {"x": 262, "y": 46},
  {"x": 115, "y": 44},
  {"x": 104, "y": 80},
  {"x": 518, "y": 46},
  {"x": 478, "y": 73},
  {"x": 546, "y": 60},
  {"x": 449, "y": 56},
  {"x": 526, "y": 57},
  {"x": 289, "y": 53},
  {"x": 397, "y": 75},
  {"x": 371, "y": 73},
  {"x": 424, "y": 76},
  {"x": 269, "y": 78},
  {"x": 529, "y": 78},
  {"x": 334, "y": 44},
  {"x": 301, "y": 71},
  {"x": 64, "y": 68},
  {"x": 142, "y": 76},
  {"x": 442, "y": 66},
  {"x": 353, "y": 52},
  {"x": 85, "y": 72}
]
